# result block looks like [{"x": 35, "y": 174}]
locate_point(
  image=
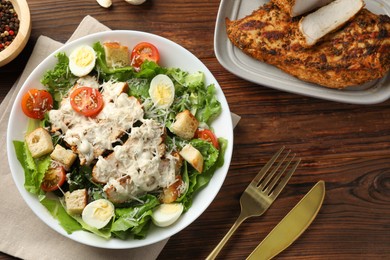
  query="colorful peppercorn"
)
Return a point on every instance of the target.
[{"x": 9, "y": 24}]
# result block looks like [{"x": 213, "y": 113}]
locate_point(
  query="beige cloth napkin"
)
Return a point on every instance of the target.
[{"x": 22, "y": 233}]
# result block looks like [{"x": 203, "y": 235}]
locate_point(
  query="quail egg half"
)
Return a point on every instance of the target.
[
  {"x": 162, "y": 91},
  {"x": 82, "y": 60},
  {"x": 98, "y": 213},
  {"x": 166, "y": 214}
]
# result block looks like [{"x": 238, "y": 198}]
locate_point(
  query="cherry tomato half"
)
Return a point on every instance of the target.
[
  {"x": 36, "y": 102},
  {"x": 144, "y": 51},
  {"x": 207, "y": 135},
  {"x": 86, "y": 101},
  {"x": 53, "y": 179}
]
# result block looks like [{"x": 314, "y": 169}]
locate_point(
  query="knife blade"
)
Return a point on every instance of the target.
[{"x": 292, "y": 225}]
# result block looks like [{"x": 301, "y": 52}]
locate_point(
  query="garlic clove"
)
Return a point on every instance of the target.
[
  {"x": 104, "y": 3},
  {"x": 135, "y": 2}
]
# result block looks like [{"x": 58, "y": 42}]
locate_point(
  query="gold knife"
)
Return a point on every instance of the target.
[{"x": 292, "y": 225}]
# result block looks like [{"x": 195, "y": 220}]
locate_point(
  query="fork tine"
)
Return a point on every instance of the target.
[
  {"x": 270, "y": 187},
  {"x": 263, "y": 185},
  {"x": 284, "y": 181},
  {"x": 265, "y": 169}
]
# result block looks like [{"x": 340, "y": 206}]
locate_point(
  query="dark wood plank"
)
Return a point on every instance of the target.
[{"x": 346, "y": 145}]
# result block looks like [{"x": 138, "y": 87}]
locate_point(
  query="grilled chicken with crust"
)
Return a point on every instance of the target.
[{"x": 356, "y": 53}]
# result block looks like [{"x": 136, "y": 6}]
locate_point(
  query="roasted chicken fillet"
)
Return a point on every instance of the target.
[{"x": 355, "y": 54}]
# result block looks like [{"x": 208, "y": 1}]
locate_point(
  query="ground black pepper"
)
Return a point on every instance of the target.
[{"x": 9, "y": 24}]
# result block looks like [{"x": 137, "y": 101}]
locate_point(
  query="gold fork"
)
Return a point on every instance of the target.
[{"x": 261, "y": 193}]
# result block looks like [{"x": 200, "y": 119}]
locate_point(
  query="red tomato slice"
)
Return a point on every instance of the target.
[
  {"x": 35, "y": 103},
  {"x": 207, "y": 135},
  {"x": 53, "y": 179},
  {"x": 144, "y": 51},
  {"x": 86, "y": 101}
]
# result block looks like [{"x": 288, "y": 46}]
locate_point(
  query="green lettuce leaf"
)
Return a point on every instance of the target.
[
  {"x": 56, "y": 209},
  {"x": 34, "y": 169},
  {"x": 194, "y": 95},
  {"x": 104, "y": 232},
  {"x": 213, "y": 159},
  {"x": 149, "y": 69},
  {"x": 209, "y": 106},
  {"x": 59, "y": 80},
  {"x": 106, "y": 73},
  {"x": 134, "y": 220},
  {"x": 208, "y": 151},
  {"x": 139, "y": 85}
]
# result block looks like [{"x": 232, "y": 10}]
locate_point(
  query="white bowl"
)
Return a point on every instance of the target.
[{"x": 172, "y": 55}]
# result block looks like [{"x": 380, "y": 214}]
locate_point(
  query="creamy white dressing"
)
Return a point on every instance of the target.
[
  {"x": 139, "y": 157},
  {"x": 139, "y": 165},
  {"x": 117, "y": 116}
]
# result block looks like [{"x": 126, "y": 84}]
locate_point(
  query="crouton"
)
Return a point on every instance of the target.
[
  {"x": 116, "y": 55},
  {"x": 185, "y": 125},
  {"x": 39, "y": 142},
  {"x": 172, "y": 192},
  {"x": 64, "y": 156},
  {"x": 76, "y": 201},
  {"x": 193, "y": 157}
]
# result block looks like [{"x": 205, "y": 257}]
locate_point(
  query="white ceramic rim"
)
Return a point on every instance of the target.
[{"x": 172, "y": 55}]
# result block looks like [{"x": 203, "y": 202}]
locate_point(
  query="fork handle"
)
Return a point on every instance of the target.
[{"x": 222, "y": 243}]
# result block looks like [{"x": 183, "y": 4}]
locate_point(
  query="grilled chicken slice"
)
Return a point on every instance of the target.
[
  {"x": 142, "y": 150},
  {"x": 299, "y": 7},
  {"x": 327, "y": 19},
  {"x": 356, "y": 53},
  {"x": 121, "y": 190}
]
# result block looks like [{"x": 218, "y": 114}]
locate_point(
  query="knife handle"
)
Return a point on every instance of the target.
[{"x": 222, "y": 243}]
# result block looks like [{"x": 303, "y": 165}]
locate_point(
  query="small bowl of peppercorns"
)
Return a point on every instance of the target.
[{"x": 15, "y": 28}]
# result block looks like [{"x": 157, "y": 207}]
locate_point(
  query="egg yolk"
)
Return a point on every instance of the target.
[
  {"x": 83, "y": 57},
  {"x": 163, "y": 94},
  {"x": 102, "y": 211},
  {"x": 170, "y": 208}
]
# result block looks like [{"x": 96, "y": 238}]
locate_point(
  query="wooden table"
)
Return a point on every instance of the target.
[{"x": 347, "y": 146}]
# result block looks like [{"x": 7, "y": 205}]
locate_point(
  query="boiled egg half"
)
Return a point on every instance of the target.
[
  {"x": 98, "y": 213},
  {"x": 162, "y": 91},
  {"x": 82, "y": 60},
  {"x": 166, "y": 214}
]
